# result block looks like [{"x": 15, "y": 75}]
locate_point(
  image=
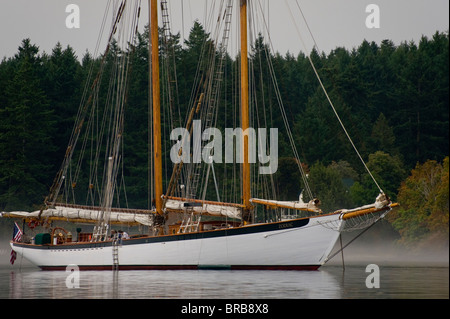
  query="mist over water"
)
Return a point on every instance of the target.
[{"x": 389, "y": 253}]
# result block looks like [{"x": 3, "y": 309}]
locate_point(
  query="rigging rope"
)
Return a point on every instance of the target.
[
  {"x": 208, "y": 82},
  {"x": 90, "y": 125},
  {"x": 325, "y": 91},
  {"x": 60, "y": 177},
  {"x": 284, "y": 115},
  {"x": 265, "y": 184},
  {"x": 351, "y": 241}
]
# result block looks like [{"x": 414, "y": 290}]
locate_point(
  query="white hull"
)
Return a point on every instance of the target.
[{"x": 296, "y": 244}]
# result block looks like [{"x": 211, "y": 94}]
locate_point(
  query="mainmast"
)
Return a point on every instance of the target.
[
  {"x": 246, "y": 192},
  {"x": 153, "y": 6}
]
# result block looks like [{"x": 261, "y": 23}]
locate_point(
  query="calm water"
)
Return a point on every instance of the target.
[{"x": 330, "y": 282}]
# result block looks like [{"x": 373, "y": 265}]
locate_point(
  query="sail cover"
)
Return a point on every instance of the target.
[
  {"x": 88, "y": 214},
  {"x": 312, "y": 206},
  {"x": 206, "y": 208},
  {"x": 123, "y": 216}
]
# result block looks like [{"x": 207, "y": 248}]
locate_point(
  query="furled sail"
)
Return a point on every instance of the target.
[
  {"x": 311, "y": 206},
  {"x": 205, "y": 207},
  {"x": 381, "y": 202},
  {"x": 87, "y": 214},
  {"x": 126, "y": 216}
]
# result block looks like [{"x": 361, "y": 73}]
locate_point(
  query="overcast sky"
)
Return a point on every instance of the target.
[{"x": 333, "y": 22}]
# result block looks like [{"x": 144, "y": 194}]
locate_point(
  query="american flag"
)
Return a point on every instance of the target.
[{"x": 17, "y": 236}]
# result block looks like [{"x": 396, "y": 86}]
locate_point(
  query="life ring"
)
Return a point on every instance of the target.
[{"x": 33, "y": 223}]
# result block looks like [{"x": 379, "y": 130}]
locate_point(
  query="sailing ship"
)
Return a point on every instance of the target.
[{"x": 184, "y": 229}]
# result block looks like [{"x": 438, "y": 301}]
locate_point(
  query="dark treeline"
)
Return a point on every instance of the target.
[{"x": 393, "y": 99}]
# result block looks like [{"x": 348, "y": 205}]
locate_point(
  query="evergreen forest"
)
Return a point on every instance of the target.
[{"x": 393, "y": 99}]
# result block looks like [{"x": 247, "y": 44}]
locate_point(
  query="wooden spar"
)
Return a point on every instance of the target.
[
  {"x": 280, "y": 205},
  {"x": 206, "y": 202},
  {"x": 246, "y": 193},
  {"x": 366, "y": 211},
  {"x": 153, "y": 5}
]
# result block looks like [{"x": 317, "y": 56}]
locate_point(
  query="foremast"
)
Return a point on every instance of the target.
[{"x": 246, "y": 189}]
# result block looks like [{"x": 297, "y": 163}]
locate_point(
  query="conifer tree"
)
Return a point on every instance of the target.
[{"x": 26, "y": 132}]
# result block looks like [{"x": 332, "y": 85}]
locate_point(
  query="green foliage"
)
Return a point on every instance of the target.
[
  {"x": 328, "y": 185},
  {"x": 26, "y": 132},
  {"x": 424, "y": 198},
  {"x": 288, "y": 179},
  {"x": 387, "y": 170}
]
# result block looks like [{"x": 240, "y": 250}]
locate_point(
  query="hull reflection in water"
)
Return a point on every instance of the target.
[
  {"x": 330, "y": 282},
  {"x": 190, "y": 284}
]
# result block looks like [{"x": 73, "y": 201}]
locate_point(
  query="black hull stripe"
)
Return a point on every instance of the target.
[
  {"x": 187, "y": 267},
  {"x": 279, "y": 226}
]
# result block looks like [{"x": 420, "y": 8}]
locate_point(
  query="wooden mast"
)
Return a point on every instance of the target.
[
  {"x": 246, "y": 192},
  {"x": 153, "y": 6}
]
